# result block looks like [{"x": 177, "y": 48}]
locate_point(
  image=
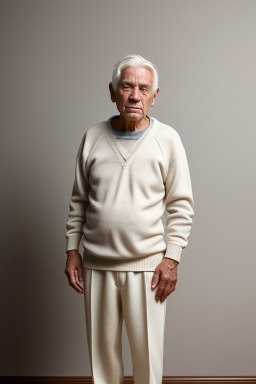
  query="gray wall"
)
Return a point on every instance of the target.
[{"x": 56, "y": 64}]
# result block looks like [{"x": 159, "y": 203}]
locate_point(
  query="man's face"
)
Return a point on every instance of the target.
[{"x": 134, "y": 94}]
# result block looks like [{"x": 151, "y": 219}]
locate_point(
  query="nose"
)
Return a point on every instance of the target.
[{"x": 135, "y": 95}]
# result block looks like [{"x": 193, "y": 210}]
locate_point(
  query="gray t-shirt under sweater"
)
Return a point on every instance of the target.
[{"x": 126, "y": 139}]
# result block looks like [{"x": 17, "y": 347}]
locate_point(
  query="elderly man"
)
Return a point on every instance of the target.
[{"x": 128, "y": 170}]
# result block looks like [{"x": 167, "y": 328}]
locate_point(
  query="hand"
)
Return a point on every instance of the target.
[
  {"x": 165, "y": 277},
  {"x": 73, "y": 265}
]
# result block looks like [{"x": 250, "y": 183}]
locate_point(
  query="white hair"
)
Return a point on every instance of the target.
[{"x": 133, "y": 61}]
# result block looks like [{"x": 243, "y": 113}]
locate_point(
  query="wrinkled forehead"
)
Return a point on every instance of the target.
[{"x": 137, "y": 74}]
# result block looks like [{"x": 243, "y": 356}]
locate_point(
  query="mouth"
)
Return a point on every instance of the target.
[{"x": 133, "y": 108}]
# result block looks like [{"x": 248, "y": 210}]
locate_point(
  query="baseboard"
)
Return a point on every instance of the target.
[{"x": 129, "y": 379}]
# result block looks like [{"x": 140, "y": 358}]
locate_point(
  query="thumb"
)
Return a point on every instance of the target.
[
  {"x": 80, "y": 273},
  {"x": 155, "y": 278}
]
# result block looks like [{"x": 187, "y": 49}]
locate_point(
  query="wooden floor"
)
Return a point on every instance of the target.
[{"x": 129, "y": 379}]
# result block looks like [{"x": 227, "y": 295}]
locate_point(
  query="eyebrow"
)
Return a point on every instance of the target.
[{"x": 132, "y": 84}]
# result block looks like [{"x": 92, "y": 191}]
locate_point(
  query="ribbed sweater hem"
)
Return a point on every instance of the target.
[{"x": 147, "y": 263}]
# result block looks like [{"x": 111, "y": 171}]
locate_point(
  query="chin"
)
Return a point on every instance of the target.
[{"x": 133, "y": 116}]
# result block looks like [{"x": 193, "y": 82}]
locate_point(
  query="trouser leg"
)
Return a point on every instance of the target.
[
  {"x": 145, "y": 323},
  {"x": 104, "y": 318}
]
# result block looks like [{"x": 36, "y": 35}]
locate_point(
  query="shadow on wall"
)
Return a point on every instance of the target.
[{"x": 36, "y": 298}]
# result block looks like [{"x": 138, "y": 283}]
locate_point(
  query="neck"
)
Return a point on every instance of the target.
[{"x": 129, "y": 126}]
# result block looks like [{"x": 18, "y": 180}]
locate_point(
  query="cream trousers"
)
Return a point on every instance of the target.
[{"x": 111, "y": 297}]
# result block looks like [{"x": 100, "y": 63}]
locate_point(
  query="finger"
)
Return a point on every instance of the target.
[
  {"x": 78, "y": 287},
  {"x": 77, "y": 283},
  {"x": 80, "y": 273},
  {"x": 160, "y": 289},
  {"x": 155, "y": 278},
  {"x": 73, "y": 282},
  {"x": 167, "y": 291}
]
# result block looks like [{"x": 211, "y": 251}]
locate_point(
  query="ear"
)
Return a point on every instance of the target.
[
  {"x": 154, "y": 97},
  {"x": 112, "y": 92}
]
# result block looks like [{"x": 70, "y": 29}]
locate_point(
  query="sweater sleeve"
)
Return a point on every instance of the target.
[
  {"x": 179, "y": 205},
  {"x": 78, "y": 203}
]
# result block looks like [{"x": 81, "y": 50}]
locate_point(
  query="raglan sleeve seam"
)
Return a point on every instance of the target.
[
  {"x": 179, "y": 204},
  {"x": 78, "y": 202}
]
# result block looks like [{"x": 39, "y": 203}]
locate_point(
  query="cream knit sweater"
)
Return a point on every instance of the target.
[{"x": 119, "y": 197}]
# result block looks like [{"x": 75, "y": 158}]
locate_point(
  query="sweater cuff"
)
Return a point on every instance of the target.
[
  {"x": 173, "y": 251},
  {"x": 72, "y": 242}
]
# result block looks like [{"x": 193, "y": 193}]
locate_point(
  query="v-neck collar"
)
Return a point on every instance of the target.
[{"x": 125, "y": 156}]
